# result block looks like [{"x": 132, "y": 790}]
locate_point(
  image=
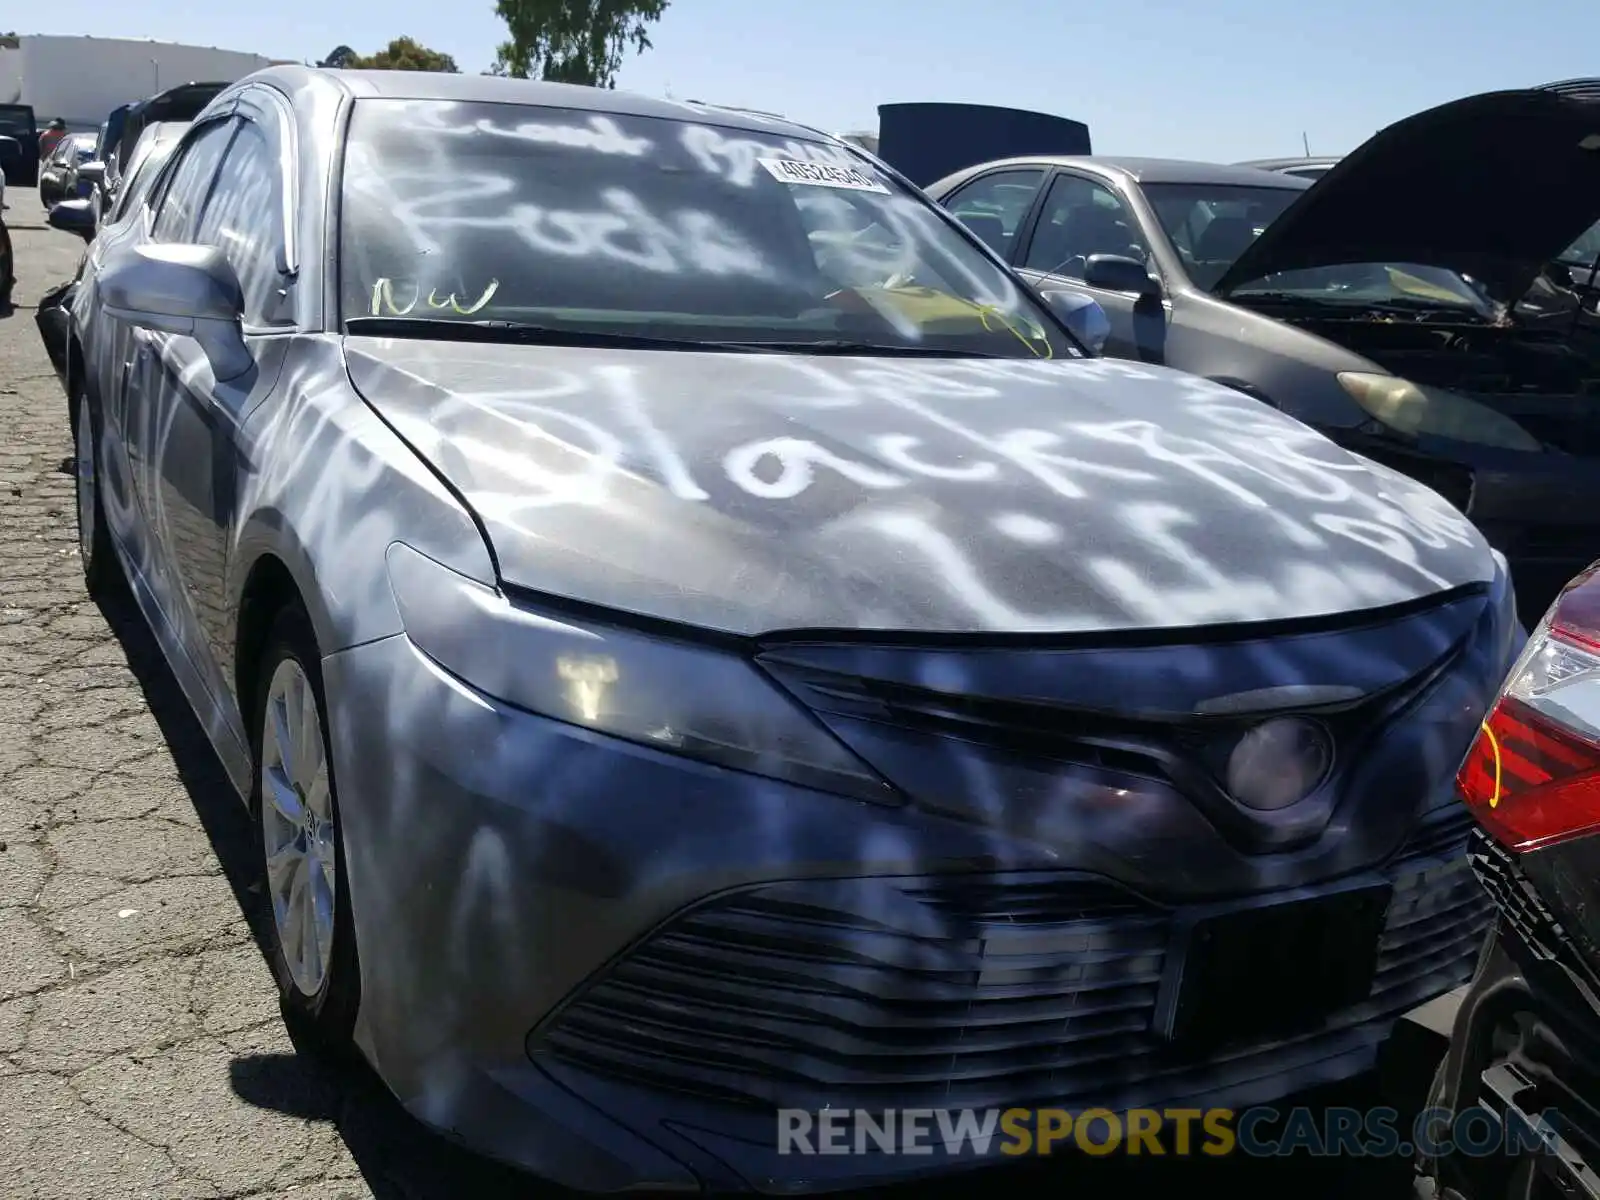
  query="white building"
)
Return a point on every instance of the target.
[{"x": 81, "y": 79}]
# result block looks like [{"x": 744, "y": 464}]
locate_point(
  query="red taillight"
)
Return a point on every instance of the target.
[{"x": 1532, "y": 776}]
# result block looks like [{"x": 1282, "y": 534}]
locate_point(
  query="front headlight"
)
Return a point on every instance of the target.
[
  {"x": 699, "y": 701},
  {"x": 1411, "y": 408}
]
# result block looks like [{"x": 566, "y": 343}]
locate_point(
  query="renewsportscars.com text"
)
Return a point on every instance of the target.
[{"x": 1213, "y": 1133}]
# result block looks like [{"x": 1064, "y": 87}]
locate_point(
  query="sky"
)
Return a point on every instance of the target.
[{"x": 1216, "y": 80}]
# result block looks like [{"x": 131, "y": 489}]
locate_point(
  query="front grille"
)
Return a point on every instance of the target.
[
  {"x": 1514, "y": 897},
  {"x": 1440, "y": 834},
  {"x": 1025, "y": 730},
  {"x": 960, "y": 992}
]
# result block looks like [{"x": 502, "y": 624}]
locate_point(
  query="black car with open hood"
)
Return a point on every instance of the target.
[
  {"x": 1403, "y": 305},
  {"x": 1492, "y": 187}
]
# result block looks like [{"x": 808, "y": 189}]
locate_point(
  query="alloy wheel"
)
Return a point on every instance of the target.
[
  {"x": 86, "y": 481},
  {"x": 297, "y": 827}
]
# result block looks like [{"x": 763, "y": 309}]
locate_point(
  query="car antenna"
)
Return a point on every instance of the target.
[{"x": 1305, "y": 143}]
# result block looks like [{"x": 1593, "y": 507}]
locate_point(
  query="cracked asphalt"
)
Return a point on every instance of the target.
[
  {"x": 141, "y": 1049},
  {"x": 142, "y": 1054}
]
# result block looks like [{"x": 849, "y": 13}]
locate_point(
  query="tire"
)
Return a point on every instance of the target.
[
  {"x": 294, "y": 803},
  {"x": 8, "y": 263},
  {"x": 101, "y": 571}
]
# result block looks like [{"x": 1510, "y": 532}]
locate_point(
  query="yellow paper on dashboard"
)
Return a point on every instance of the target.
[{"x": 1411, "y": 285}]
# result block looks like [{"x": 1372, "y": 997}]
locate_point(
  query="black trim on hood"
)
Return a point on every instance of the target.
[{"x": 1493, "y": 186}]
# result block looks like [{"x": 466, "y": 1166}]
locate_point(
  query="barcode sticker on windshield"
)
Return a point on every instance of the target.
[{"x": 787, "y": 170}]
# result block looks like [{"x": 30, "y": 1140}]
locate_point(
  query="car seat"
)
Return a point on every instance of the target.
[
  {"x": 989, "y": 227},
  {"x": 1084, "y": 230}
]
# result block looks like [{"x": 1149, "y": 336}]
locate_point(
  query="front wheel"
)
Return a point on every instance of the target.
[
  {"x": 7, "y": 267},
  {"x": 99, "y": 561},
  {"x": 312, "y": 943}
]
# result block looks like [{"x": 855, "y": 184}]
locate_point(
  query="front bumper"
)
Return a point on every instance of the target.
[
  {"x": 1526, "y": 1047},
  {"x": 608, "y": 965}
]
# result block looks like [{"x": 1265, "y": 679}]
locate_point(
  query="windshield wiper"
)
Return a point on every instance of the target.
[
  {"x": 520, "y": 332},
  {"x": 446, "y": 330},
  {"x": 865, "y": 349}
]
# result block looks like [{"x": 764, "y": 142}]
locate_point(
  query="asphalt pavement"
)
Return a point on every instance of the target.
[{"x": 142, "y": 1054}]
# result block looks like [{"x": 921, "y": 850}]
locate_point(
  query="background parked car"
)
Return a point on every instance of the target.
[
  {"x": 58, "y": 175},
  {"x": 7, "y": 258},
  {"x": 53, "y": 316},
  {"x": 1383, "y": 305},
  {"x": 10, "y": 158},
  {"x": 123, "y": 127},
  {"x": 1304, "y": 168},
  {"x": 404, "y": 497},
  {"x": 17, "y": 122},
  {"x": 1526, "y": 1042}
]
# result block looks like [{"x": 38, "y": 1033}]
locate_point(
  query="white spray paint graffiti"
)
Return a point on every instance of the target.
[
  {"x": 876, "y": 435},
  {"x": 887, "y": 429},
  {"x": 656, "y": 221}
]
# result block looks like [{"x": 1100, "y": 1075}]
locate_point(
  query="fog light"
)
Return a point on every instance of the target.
[{"x": 1278, "y": 763}]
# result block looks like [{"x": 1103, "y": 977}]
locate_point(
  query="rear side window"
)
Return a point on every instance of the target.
[
  {"x": 144, "y": 175},
  {"x": 190, "y": 182},
  {"x": 993, "y": 206}
]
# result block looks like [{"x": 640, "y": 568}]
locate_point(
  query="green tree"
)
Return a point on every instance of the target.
[
  {"x": 402, "y": 54},
  {"x": 573, "y": 41}
]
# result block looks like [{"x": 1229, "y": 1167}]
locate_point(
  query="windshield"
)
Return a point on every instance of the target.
[
  {"x": 16, "y": 120},
  {"x": 1585, "y": 251},
  {"x": 1211, "y": 226},
  {"x": 650, "y": 227}
]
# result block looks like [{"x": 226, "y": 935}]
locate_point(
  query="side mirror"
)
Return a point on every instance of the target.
[
  {"x": 92, "y": 172},
  {"x": 1118, "y": 273},
  {"x": 1083, "y": 316},
  {"x": 73, "y": 216},
  {"x": 182, "y": 289}
]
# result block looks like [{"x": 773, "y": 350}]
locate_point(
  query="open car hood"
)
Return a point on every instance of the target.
[{"x": 1493, "y": 186}]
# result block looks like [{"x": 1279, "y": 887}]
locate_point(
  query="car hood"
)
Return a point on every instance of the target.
[
  {"x": 753, "y": 493},
  {"x": 1494, "y": 186}
]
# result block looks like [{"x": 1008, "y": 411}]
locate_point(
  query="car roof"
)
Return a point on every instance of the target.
[
  {"x": 1282, "y": 164},
  {"x": 1157, "y": 170},
  {"x": 494, "y": 89}
]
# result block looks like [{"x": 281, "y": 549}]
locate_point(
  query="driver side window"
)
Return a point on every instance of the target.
[
  {"x": 189, "y": 182},
  {"x": 1081, "y": 218},
  {"x": 993, "y": 205}
]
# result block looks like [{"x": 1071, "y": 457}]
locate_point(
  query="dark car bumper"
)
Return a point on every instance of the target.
[
  {"x": 1541, "y": 511},
  {"x": 1526, "y": 1048},
  {"x": 610, "y": 965},
  {"x": 1546, "y": 522},
  {"x": 54, "y": 321}
]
